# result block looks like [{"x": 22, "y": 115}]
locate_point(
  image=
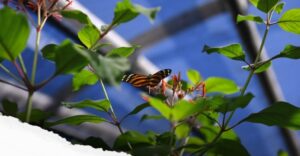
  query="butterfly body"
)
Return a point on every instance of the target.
[{"x": 150, "y": 81}]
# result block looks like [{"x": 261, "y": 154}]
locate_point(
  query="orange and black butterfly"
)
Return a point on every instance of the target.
[{"x": 150, "y": 81}]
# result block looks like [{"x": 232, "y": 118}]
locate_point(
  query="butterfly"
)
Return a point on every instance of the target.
[{"x": 150, "y": 81}]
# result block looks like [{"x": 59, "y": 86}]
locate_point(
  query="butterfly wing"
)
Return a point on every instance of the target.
[
  {"x": 158, "y": 76},
  {"x": 136, "y": 80}
]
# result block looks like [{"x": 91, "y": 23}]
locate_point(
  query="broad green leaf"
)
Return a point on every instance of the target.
[
  {"x": 280, "y": 114},
  {"x": 278, "y": 8},
  {"x": 233, "y": 51},
  {"x": 282, "y": 153},
  {"x": 290, "y": 21},
  {"x": 122, "y": 51},
  {"x": 194, "y": 76},
  {"x": 14, "y": 33},
  {"x": 89, "y": 35},
  {"x": 109, "y": 69},
  {"x": 221, "y": 85},
  {"x": 96, "y": 143},
  {"x": 84, "y": 77},
  {"x": 161, "y": 107},
  {"x": 256, "y": 19},
  {"x": 9, "y": 108},
  {"x": 77, "y": 120},
  {"x": 126, "y": 11},
  {"x": 149, "y": 13},
  {"x": 290, "y": 51},
  {"x": 226, "y": 147},
  {"x": 151, "y": 117},
  {"x": 183, "y": 109},
  {"x": 100, "y": 105},
  {"x": 208, "y": 117},
  {"x": 66, "y": 56},
  {"x": 209, "y": 133},
  {"x": 36, "y": 116},
  {"x": 135, "y": 139},
  {"x": 155, "y": 150},
  {"x": 76, "y": 15},
  {"x": 231, "y": 104},
  {"x": 182, "y": 130},
  {"x": 264, "y": 5}
]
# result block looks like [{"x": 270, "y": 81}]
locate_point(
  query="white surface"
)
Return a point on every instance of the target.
[{"x": 22, "y": 139}]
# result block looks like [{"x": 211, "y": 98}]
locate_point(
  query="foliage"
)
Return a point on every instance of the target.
[{"x": 199, "y": 105}]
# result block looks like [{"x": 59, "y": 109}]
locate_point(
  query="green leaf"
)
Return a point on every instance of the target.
[
  {"x": 280, "y": 114},
  {"x": 161, "y": 107},
  {"x": 221, "y": 85},
  {"x": 233, "y": 51},
  {"x": 290, "y": 21},
  {"x": 194, "y": 76},
  {"x": 84, "y": 77},
  {"x": 264, "y": 5},
  {"x": 156, "y": 150},
  {"x": 149, "y": 13},
  {"x": 138, "y": 108},
  {"x": 76, "y": 15},
  {"x": 37, "y": 116},
  {"x": 122, "y": 51},
  {"x": 135, "y": 139},
  {"x": 263, "y": 67},
  {"x": 166, "y": 138},
  {"x": 126, "y": 11},
  {"x": 66, "y": 56},
  {"x": 96, "y": 143},
  {"x": 227, "y": 147},
  {"x": 151, "y": 117},
  {"x": 89, "y": 35},
  {"x": 209, "y": 133},
  {"x": 14, "y": 33},
  {"x": 77, "y": 120},
  {"x": 290, "y": 51},
  {"x": 279, "y": 7},
  {"x": 282, "y": 153},
  {"x": 183, "y": 109},
  {"x": 109, "y": 69},
  {"x": 232, "y": 104},
  {"x": 182, "y": 130},
  {"x": 256, "y": 19},
  {"x": 100, "y": 105},
  {"x": 9, "y": 108}
]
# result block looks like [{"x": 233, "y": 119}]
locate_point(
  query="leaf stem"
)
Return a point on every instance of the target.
[
  {"x": 29, "y": 106},
  {"x": 10, "y": 73}
]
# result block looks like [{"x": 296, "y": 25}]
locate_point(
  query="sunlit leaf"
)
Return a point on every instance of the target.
[
  {"x": 183, "y": 109},
  {"x": 264, "y": 5},
  {"x": 290, "y": 21},
  {"x": 182, "y": 130},
  {"x": 256, "y": 19},
  {"x": 84, "y": 77},
  {"x": 14, "y": 33},
  {"x": 282, "y": 153},
  {"x": 194, "y": 76},
  {"x": 77, "y": 120},
  {"x": 100, "y": 105},
  {"x": 150, "y": 13},
  {"x": 89, "y": 35},
  {"x": 233, "y": 51},
  {"x": 221, "y": 85},
  {"x": 161, "y": 107},
  {"x": 122, "y": 51},
  {"x": 280, "y": 114}
]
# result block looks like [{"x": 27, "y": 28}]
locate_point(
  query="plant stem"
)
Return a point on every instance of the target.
[
  {"x": 22, "y": 64},
  {"x": 10, "y": 73},
  {"x": 112, "y": 113},
  {"x": 29, "y": 106}
]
